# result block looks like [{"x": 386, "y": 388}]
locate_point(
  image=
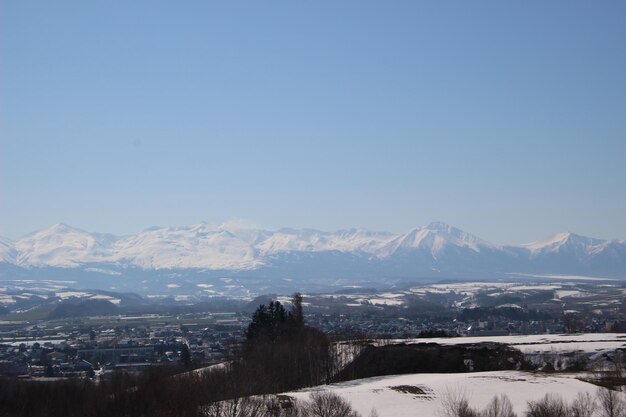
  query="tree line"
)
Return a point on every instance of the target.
[{"x": 607, "y": 403}]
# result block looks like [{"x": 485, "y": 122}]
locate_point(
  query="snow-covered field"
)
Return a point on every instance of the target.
[
  {"x": 472, "y": 294},
  {"x": 540, "y": 343},
  {"x": 421, "y": 394}
]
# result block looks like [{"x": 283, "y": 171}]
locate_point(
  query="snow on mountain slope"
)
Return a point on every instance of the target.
[
  {"x": 614, "y": 248},
  {"x": 579, "y": 254},
  {"x": 199, "y": 246},
  {"x": 7, "y": 250},
  {"x": 565, "y": 242},
  {"x": 308, "y": 240},
  {"x": 437, "y": 247},
  {"x": 64, "y": 246},
  {"x": 434, "y": 239}
]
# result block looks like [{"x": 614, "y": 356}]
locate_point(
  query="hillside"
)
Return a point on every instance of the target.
[{"x": 422, "y": 394}]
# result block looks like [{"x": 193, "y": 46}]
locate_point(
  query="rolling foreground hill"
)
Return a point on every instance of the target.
[{"x": 437, "y": 251}]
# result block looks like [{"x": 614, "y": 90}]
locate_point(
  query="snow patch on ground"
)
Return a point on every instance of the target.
[
  {"x": 69, "y": 294},
  {"x": 106, "y": 297},
  {"x": 569, "y": 293}
]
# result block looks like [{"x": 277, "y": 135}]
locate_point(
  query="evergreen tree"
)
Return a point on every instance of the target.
[
  {"x": 296, "y": 310},
  {"x": 185, "y": 356}
]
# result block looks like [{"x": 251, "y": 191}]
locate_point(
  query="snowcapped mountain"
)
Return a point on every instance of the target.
[
  {"x": 308, "y": 240},
  {"x": 435, "y": 251},
  {"x": 434, "y": 239},
  {"x": 7, "y": 250},
  {"x": 578, "y": 254},
  {"x": 563, "y": 242},
  {"x": 63, "y": 246},
  {"x": 199, "y": 246}
]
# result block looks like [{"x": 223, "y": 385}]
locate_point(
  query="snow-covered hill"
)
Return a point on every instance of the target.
[
  {"x": 435, "y": 251},
  {"x": 423, "y": 394}
]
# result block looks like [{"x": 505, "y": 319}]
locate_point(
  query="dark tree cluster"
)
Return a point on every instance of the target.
[
  {"x": 432, "y": 333},
  {"x": 282, "y": 351}
]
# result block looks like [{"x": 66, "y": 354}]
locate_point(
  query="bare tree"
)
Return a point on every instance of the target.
[
  {"x": 619, "y": 366},
  {"x": 583, "y": 406},
  {"x": 574, "y": 322},
  {"x": 237, "y": 407},
  {"x": 611, "y": 403},
  {"x": 549, "y": 406},
  {"x": 500, "y": 406},
  {"x": 327, "y": 404},
  {"x": 455, "y": 404},
  {"x": 282, "y": 406}
]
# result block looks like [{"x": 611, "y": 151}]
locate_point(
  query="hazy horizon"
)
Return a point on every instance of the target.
[{"x": 246, "y": 224}]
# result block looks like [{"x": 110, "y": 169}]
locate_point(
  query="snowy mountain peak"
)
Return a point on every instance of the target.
[
  {"x": 200, "y": 226},
  {"x": 236, "y": 246},
  {"x": 561, "y": 241},
  {"x": 60, "y": 245},
  {"x": 454, "y": 233},
  {"x": 440, "y": 227},
  {"x": 433, "y": 239},
  {"x": 60, "y": 228}
]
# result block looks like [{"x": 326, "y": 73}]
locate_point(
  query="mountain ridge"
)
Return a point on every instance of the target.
[{"x": 436, "y": 248}]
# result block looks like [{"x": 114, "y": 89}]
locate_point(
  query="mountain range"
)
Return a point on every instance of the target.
[{"x": 436, "y": 251}]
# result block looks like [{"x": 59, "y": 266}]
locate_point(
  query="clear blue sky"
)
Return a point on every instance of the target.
[{"x": 507, "y": 119}]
